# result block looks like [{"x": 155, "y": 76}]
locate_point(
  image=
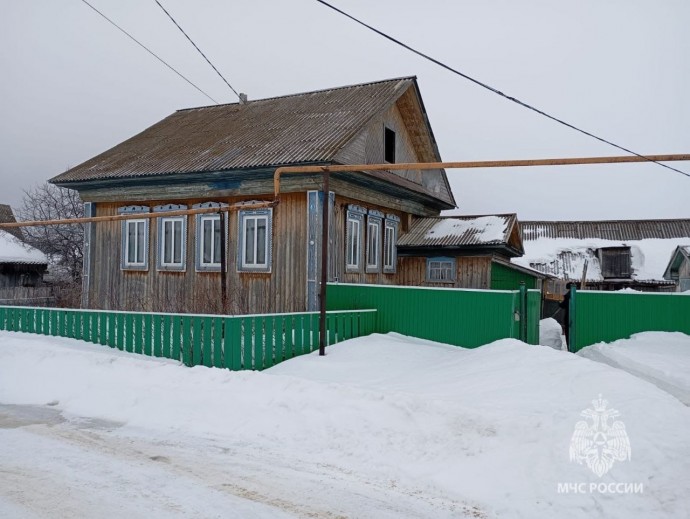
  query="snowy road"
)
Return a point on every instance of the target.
[{"x": 383, "y": 426}]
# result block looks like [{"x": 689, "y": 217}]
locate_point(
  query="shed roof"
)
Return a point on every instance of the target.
[
  {"x": 624, "y": 230},
  {"x": 681, "y": 253},
  {"x": 14, "y": 251},
  {"x": 304, "y": 128},
  {"x": 460, "y": 231}
]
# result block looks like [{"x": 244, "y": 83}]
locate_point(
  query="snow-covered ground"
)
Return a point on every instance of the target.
[
  {"x": 661, "y": 358},
  {"x": 383, "y": 426},
  {"x": 551, "y": 334}
]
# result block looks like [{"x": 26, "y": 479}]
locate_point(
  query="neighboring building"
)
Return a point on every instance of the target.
[
  {"x": 21, "y": 266},
  {"x": 607, "y": 255},
  {"x": 678, "y": 269},
  {"x": 227, "y": 154},
  {"x": 465, "y": 252}
]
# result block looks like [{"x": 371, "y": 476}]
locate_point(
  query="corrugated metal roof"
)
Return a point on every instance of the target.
[
  {"x": 617, "y": 230},
  {"x": 7, "y": 216},
  {"x": 457, "y": 231},
  {"x": 308, "y": 127}
]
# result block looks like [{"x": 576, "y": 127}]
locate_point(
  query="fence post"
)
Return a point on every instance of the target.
[
  {"x": 572, "y": 336},
  {"x": 523, "y": 311}
]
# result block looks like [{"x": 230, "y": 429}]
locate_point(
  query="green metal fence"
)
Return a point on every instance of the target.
[
  {"x": 609, "y": 316},
  {"x": 251, "y": 342},
  {"x": 468, "y": 318}
]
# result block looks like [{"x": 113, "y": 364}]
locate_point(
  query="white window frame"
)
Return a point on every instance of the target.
[
  {"x": 354, "y": 234},
  {"x": 172, "y": 265},
  {"x": 435, "y": 268},
  {"x": 202, "y": 265},
  {"x": 255, "y": 215},
  {"x": 390, "y": 251},
  {"x": 374, "y": 243},
  {"x": 139, "y": 223}
]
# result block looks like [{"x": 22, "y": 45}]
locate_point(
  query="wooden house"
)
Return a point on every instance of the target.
[
  {"x": 22, "y": 267},
  {"x": 678, "y": 268},
  {"x": 465, "y": 252},
  {"x": 227, "y": 154}
]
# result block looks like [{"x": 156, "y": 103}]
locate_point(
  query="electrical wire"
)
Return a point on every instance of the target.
[
  {"x": 149, "y": 51},
  {"x": 196, "y": 47},
  {"x": 495, "y": 90}
]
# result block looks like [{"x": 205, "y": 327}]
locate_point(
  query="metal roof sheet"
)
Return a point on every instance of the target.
[
  {"x": 616, "y": 230},
  {"x": 299, "y": 128},
  {"x": 470, "y": 231}
]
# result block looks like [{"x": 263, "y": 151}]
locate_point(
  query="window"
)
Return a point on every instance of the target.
[
  {"x": 135, "y": 240},
  {"x": 440, "y": 270},
  {"x": 389, "y": 145},
  {"x": 172, "y": 232},
  {"x": 390, "y": 238},
  {"x": 615, "y": 262},
  {"x": 208, "y": 240},
  {"x": 353, "y": 240},
  {"x": 255, "y": 240},
  {"x": 373, "y": 243}
]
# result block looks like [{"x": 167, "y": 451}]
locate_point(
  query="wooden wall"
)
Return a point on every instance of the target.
[{"x": 200, "y": 292}]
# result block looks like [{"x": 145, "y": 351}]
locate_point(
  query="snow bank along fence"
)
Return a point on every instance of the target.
[
  {"x": 608, "y": 316},
  {"x": 250, "y": 342},
  {"x": 462, "y": 317}
]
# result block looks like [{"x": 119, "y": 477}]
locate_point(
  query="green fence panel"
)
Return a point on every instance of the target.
[
  {"x": 147, "y": 332},
  {"x": 609, "y": 316},
  {"x": 467, "y": 318},
  {"x": 206, "y": 337},
  {"x": 258, "y": 341},
  {"x": 533, "y": 316},
  {"x": 248, "y": 344}
]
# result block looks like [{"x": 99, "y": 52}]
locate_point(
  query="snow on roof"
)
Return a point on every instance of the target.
[
  {"x": 565, "y": 257},
  {"x": 459, "y": 230},
  {"x": 14, "y": 251}
]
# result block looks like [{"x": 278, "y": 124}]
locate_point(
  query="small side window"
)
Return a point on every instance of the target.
[{"x": 440, "y": 270}]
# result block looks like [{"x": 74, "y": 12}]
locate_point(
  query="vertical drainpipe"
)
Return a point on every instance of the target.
[
  {"x": 223, "y": 264},
  {"x": 324, "y": 262}
]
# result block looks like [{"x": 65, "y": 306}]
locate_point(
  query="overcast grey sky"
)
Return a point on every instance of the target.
[{"x": 73, "y": 86}]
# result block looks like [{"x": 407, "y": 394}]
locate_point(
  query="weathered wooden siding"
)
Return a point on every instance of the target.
[
  {"x": 190, "y": 291},
  {"x": 368, "y": 148},
  {"x": 472, "y": 272}
]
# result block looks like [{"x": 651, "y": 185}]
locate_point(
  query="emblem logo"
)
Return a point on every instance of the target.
[{"x": 599, "y": 444}]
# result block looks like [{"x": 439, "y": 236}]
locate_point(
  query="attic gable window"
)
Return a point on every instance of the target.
[
  {"x": 615, "y": 262},
  {"x": 255, "y": 240},
  {"x": 389, "y": 145},
  {"x": 135, "y": 239}
]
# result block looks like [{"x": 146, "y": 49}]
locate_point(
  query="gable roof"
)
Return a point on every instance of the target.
[
  {"x": 681, "y": 253},
  {"x": 7, "y": 216},
  {"x": 463, "y": 232},
  {"x": 305, "y": 128}
]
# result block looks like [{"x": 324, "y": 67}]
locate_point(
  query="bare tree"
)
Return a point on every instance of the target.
[{"x": 63, "y": 244}]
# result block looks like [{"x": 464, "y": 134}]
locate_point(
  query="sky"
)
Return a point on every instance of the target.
[{"x": 74, "y": 86}]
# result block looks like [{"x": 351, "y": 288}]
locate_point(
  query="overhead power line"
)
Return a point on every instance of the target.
[
  {"x": 494, "y": 90},
  {"x": 196, "y": 47},
  {"x": 149, "y": 51}
]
